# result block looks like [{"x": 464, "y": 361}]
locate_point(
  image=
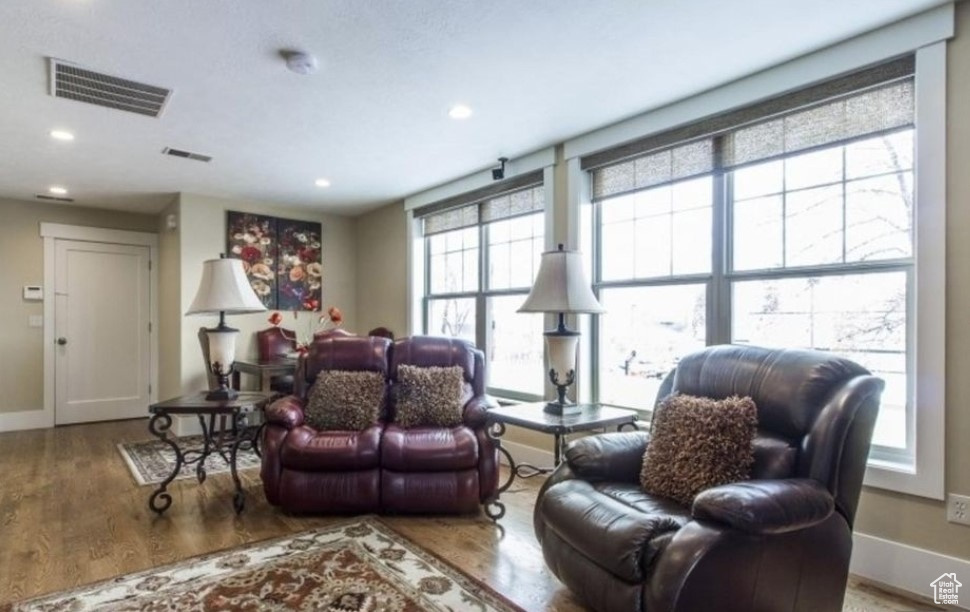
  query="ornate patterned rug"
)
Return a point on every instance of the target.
[
  {"x": 353, "y": 567},
  {"x": 151, "y": 461}
]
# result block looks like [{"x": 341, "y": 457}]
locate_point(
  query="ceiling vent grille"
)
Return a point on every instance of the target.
[
  {"x": 76, "y": 83},
  {"x": 41, "y": 196},
  {"x": 186, "y": 154}
]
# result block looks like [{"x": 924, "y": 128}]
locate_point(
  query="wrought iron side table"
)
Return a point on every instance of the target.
[
  {"x": 532, "y": 416},
  {"x": 241, "y": 435}
]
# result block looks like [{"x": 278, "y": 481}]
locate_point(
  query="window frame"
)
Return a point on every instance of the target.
[
  {"x": 481, "y": 295},
  {"x": 921, "y": 471}
]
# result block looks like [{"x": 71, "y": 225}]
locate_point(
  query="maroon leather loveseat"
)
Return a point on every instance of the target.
[{"x": 384, "y": 467}]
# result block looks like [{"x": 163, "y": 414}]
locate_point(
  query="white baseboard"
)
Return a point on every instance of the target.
[
  {"x": 25, "y": 419},
  {"x": 905, "y": 567},
  {"x": 893, "y": 564}
]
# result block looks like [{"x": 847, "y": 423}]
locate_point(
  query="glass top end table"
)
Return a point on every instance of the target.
[{"x": 534, "y": 417}]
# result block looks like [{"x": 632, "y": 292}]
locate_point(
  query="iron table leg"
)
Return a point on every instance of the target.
[{"x": 159, "y": 426}]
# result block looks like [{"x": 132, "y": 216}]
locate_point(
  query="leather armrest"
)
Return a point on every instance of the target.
[
  {"x": 766, "y": 506},
  {"x": 610, "y": 456},
  {"x": 286, "y": 411},
  {"x": 476, "y": 409}
]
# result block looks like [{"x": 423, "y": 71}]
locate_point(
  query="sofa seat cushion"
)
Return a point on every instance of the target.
[
  {"x": 428, "y": 449},
  {"x": 323, "y": 451},
  {"x": 617, "y": 526}
]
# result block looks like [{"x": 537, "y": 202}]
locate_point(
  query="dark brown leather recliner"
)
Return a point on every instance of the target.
[
  {"x": 779, "y": 541},
  {"x": 384, "y": 467}
]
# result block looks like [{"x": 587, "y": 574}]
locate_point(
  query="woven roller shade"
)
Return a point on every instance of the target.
[
  {"x": 871, "y": 101},
  {"x": 877, "y": 110},
  {"x": 654, "y": 169},
  {"x": 503, "y": 206},
  {"x": 453, "y": 219}
]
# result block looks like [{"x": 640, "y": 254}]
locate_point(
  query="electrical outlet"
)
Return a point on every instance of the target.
[{"x": 958, "y": 509}]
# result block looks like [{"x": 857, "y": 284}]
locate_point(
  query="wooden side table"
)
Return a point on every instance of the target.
[
  {"x": 264, "y": 369},
  {"x": 225, "y": 444},
  {"x": 532, "y": 416}
]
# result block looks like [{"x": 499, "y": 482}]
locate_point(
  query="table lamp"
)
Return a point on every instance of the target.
[
  {"x": 224, "y": 289},
  {"x": 561, "y": 287}
]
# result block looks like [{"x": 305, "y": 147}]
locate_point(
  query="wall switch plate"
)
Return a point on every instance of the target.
[
  {"x": 958, "y": 509},
  {"x": 35, "y": 320}
]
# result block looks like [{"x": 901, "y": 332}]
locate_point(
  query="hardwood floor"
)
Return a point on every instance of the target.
[{"x": 71, "y": 514}]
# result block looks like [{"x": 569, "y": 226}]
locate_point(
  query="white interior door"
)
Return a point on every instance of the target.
[{"x": 102, "y": 365}]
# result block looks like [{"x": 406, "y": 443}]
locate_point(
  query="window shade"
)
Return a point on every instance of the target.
[
  {"x": 876, "y": 110},
  {"x": 517, "y": 203},
  {"x": 654, "y": 169},
  {"x": 503, "y": 206},
  {"x": 453, "y": 219},
  {"x": 870, "y": 101}
]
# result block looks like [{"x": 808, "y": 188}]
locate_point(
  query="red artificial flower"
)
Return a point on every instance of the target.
[
  {"x": 275, "y": 319},
  {"x": 311, "y": 304},
  {"x": 336, "y": 316},
  {"x": 250, "y": 254}
]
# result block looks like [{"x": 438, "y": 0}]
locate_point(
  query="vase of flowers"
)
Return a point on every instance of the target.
[{"x": 303, "y": 335}]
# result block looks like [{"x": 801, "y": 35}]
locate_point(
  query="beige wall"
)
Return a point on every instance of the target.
[
  {"x": 382, "y": 280},
  {"x": 202, "y": 235},
  {"x": 169, "y": 304},
  {"x": 912, "y": 520},
  {"x": 22, "y": 251}
]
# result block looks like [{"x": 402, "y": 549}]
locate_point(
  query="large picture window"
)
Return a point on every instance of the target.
[
  {"x": 480, "y": 262},
  {"x": 793, "y": 230}
]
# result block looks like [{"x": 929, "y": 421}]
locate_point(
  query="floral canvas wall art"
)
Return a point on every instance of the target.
[
  {"x": 299, "y": 269},
  {"x": 252, "y": 238},
  {"x": 281, "y": 257}
]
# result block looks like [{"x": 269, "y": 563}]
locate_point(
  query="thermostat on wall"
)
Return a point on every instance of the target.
[{"x": 33, "y": 293}]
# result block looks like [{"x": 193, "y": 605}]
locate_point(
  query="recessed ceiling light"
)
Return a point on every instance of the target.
[
  {"x": 321, "y": 182},
  {"x": 61, "y": 135},
  {"x": 460, "y": 111},
  {"x": 58, "y": 190}
]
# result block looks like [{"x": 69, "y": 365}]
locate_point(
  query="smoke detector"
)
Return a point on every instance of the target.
[{"x": 300, "y": 62}]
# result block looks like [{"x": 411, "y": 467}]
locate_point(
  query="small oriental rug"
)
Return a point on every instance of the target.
[
  {"x": 354, "y": 567},
  {"x": 151, "y": 461}
]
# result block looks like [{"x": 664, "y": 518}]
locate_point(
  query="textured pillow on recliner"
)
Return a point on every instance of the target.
[
  {"x": 429, "y": 396},
  {"x": 345, "y": 401},
  {"x": 697, "y": 443}
]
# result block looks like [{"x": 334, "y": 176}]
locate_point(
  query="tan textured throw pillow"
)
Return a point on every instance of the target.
[
  {"x": 697, "y": 443},
  {"x": 429, "y": 396},
  {"x": 345, "y": 401}
]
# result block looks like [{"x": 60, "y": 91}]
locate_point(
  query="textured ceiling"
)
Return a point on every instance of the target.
[{"x": 373, "y": 119}]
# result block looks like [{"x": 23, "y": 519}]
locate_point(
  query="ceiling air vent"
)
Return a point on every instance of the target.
[
  {"x": 186, "y": 154},
  {"x": 40, "y": 196},
  {"x": 76, "y": 83}
]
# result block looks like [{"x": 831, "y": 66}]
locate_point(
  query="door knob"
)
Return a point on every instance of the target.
[{"x": 62, "y": 341}]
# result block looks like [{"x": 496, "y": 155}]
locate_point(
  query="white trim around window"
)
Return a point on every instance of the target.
[{"x": 926, "y": 476}]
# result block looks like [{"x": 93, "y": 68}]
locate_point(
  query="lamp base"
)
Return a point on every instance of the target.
[
  {"x": 222, "y": 394},
  {"x": 558, "y": 409}
]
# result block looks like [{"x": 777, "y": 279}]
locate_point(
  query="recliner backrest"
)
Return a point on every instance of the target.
[
  {"x": 341, "y": 352},
  {"x": 816, "y": 410},
  {"x": 430, "y": 351}
]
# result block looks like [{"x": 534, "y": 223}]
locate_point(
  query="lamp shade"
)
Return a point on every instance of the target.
[
  {"x": 224, "y": 288},
  {"x": 561, "y": 286}
]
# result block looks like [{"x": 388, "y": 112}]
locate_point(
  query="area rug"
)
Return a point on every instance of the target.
[
  {"x": 358, "y": 566},
  {"x": 151, "y": 461}
]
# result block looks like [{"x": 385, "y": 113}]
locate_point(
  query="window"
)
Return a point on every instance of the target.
[
  {"x": 480, "y": 262},
  {"x": 791, "y": 229}
]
